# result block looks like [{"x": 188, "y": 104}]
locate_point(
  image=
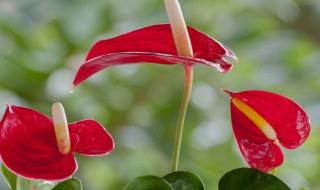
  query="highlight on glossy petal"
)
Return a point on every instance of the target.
[
  {"x": 29, "y": 148},
  {"x": 261, "y": 120},
  {"x": 153, "y": 44}
]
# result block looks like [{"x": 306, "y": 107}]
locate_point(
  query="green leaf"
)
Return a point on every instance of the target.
[
  {"x": 30, "y": 184},
  {"x": 71, "y": 184},
  {"x": 10, "y": 177},
  {"x": 250, "y": 179},
  {"x": 148, "y": 183},
  {"x": 182, "y": 180}
]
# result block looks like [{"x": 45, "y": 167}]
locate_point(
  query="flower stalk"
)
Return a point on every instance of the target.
[
  {"x": 182, "y": 114},
  {"x": 275, "y": 170},
  {"x": 184, "y": 48}
]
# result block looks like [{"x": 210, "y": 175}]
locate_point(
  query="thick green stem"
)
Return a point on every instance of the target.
[{"x": 182, "y": 114}]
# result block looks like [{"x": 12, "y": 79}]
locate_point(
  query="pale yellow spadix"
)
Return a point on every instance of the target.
[
  {"x": 256, "y": 118},
  {"x": 179, "y": 28},
  {"x": 61, "y": 128}
]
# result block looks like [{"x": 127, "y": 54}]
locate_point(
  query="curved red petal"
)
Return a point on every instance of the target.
[
  {"x": 287, "y": 118},
  {"x": 99, "y": 63},
  {"x": 157, "y": 39},
  {"x": 205, "y": 44},
  {"x": 258, "y": 151},
  {"x": 28, "y": 146},
  {"x": 88, "y": 137},
  {"x": 153, "y": 44}
]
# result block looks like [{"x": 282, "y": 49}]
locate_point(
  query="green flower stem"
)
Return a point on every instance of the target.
[
  {"x": 184, "y": 48},
  {"x": 179, "y": 28},
  {"x": 183, "y": 109},
  {"x": 274, "y": 171}
]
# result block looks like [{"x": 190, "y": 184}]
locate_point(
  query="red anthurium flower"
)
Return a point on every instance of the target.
[
  {"x": 29, "y": 147},
  {"x": 261, "y": 120},
  {"x": 153, "y": 44}
]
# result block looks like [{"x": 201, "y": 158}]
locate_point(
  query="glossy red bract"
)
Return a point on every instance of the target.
[
  {"x": 153, "y": 44},
  {"x": 28, "y": 145},
  {"x": 288, "y": 120}
]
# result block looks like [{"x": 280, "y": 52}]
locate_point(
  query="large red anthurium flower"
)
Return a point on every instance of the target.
[
  {"x": 153, "y": 44},
  {"x": 29, "y": 147},
  {"x": 261, "y": 120}
]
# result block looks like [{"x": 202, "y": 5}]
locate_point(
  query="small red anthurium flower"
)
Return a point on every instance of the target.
[
  {"x": 153, "y": 44},
  {"x": 263, "y": 120},
  {"x": 35, "y": 146}
]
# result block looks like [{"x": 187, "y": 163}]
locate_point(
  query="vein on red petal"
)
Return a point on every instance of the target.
[
  {"x": 264, "y": 157},
  {"x": 157, "y": 39},
  {"x": 152, "y": 39}
]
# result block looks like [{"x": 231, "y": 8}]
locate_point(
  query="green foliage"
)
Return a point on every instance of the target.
[
  {"x": 29, "y": 184},
  {"x": 19, "y": 183},
  {"x": 71, "y": 184},
  {"x": 10, "y": 177},
  {"x": 182, "y": 180},
  {"x": 148, "y": 183},
  {"x": 250, "y": 179}
]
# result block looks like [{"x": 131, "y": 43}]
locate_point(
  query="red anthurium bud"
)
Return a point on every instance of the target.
[
  {"x": 261, "y": 120},
  {"x": 153, "y": 44},
  {"x": 29, "y": 147}
]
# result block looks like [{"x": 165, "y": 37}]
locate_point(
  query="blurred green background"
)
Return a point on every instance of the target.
[{"x": 43, "y": 42}]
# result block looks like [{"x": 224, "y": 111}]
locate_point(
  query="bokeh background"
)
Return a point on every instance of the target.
[{"x": 43, "y": 42}]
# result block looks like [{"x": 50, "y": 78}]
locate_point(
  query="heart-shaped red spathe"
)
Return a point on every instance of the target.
[
  {"x": 153, "y": 44},
  {"x": 289, "y": 121},
  {"x": 28, "y": 146}
]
